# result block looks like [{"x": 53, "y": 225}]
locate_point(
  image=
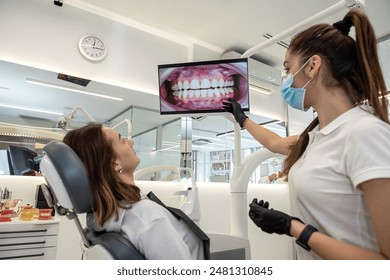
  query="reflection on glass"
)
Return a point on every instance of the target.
[{"x": 158, "y": 142}]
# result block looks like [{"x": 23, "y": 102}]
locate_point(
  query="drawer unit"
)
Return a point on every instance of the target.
[
  {"x": 48, "y": 253},
  {"x": 29, "y": 240}
]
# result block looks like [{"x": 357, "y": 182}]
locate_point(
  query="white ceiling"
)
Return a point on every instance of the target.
[
  {"x": 223, "y": 25},
  {"x": 235, "y": 24}
]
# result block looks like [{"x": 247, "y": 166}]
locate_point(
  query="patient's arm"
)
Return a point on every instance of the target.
[
  {"x": 160, "y": 241},
  {"x": 155, "y": 232}
]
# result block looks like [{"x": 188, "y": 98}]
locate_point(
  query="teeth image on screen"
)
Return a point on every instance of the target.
[{"x": 203, "y": 87}]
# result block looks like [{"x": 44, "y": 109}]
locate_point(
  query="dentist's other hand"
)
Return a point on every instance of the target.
[
  {"x": 270, "y": 220},
  {"x": 234, "y": 107}
]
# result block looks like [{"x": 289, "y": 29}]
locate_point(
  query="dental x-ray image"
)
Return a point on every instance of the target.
[{"x": 199, "y": 88}]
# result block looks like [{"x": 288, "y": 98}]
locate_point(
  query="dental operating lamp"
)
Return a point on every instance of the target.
[{"x": 64, "y": 121}]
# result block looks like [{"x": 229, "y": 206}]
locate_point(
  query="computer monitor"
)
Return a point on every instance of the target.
[
  {"x": 22, "y": 159},
  {"x": 199, "y": 88}
]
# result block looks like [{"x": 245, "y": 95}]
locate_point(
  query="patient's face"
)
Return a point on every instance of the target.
[{"x": 126, "y": 156}]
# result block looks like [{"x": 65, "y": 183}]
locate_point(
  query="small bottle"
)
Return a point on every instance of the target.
[
  {"x": 35, "y": 213},
  {"x": 26, "y": 214}
]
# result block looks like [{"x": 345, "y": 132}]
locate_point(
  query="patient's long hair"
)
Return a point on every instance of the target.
[{"x": 98, "y": 156}]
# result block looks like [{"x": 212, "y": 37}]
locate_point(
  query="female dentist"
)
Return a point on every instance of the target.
[{"x": 338, "y": 169}]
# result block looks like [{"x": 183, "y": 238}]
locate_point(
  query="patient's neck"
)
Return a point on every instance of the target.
[{"x": 127, "y": 178}]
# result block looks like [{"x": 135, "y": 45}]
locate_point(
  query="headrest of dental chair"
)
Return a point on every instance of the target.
[{"x": 67, "y": 177}]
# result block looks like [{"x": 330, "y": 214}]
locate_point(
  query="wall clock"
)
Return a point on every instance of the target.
[{"x": 92, "y": 48}]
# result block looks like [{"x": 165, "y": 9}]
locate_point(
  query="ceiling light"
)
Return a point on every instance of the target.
[
  {"x": 203, "y": 147},
  {"x": 201, "y": 136},
  {"x": 226, "y": 133},
  {"x": 31, "y": 109},
  {"x": 201, "y": 142},
  {"x": 165, "y": 149},
  {"x": 260, "y": 89},
  {"x": 52, "y": 85},
  {"x": 169, "y": 143}
]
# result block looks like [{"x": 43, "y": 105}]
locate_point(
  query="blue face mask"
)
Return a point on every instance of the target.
[{"x": 294, "y": 97}]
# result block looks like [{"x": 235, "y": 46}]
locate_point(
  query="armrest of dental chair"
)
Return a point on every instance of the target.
[{"x": 117, "y": 245}]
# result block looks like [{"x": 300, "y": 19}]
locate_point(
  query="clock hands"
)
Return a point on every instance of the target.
[{"x": 93, "y": 46}]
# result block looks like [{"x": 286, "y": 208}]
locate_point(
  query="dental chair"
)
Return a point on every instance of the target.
[{"x": 68, "y": 191}]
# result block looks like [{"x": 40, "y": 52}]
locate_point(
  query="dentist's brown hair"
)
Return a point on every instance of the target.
[{"x": 347, "y": 63}]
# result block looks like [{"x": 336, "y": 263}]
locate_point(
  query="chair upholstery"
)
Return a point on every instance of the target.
[
  {"x": 119, "y": 247},
  {"x": 69, "y": 192}
]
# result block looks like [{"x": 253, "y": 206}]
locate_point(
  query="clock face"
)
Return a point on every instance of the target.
[{"x": 92, "y": 48}]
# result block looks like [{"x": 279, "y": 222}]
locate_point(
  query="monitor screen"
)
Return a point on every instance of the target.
[
  {"x": 199, "y": 88},
  {"x": 22, "y": 160}
]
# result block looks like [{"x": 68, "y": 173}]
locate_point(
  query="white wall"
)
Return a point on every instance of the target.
[
  {"x": 39, "y": 34},
  {"x": 298, "y": 120},
  {"x": 384, "y": 56}
]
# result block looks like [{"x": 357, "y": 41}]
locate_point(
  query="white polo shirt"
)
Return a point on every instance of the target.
[{"x": 352, "y": 149}]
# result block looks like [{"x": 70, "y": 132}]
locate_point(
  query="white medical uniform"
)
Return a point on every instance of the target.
[
  {"x": 156, "y": 233},
  {"x": 352, "y": 149}
]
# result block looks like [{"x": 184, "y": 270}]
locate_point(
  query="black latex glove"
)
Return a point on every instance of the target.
[
  {"x": 234, "y": 107},
  {"x": 270, "y": 220}
]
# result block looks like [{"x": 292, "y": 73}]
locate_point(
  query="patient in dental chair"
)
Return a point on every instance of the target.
[{"x": 110, "y": 162}]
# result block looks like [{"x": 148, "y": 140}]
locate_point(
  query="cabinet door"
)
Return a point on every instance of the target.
[
  {"x": 48, "y": 253},
  {"x": 18, "y": 243},
  {"x": 22, "y": 229}
]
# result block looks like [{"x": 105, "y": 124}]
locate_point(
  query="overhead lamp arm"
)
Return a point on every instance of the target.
[
  {"x": 129, "y": 127},
  {"x": 343, "y": 4},
  {"x": 64, "y": 121}
]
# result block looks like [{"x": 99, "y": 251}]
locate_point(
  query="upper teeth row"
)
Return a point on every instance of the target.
[{"x": 204, "y": 83}]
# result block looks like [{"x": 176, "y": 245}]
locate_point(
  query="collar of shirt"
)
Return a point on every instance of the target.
[{"x": 347, "y": 116}]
